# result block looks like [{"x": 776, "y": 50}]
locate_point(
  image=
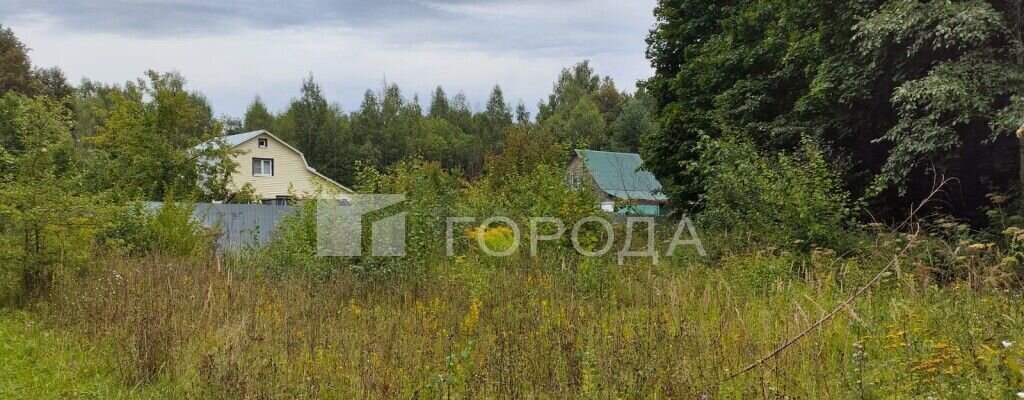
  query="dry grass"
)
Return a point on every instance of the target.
[{"x": 604, "y": 331}]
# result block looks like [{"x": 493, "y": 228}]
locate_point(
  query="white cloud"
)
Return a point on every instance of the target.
[{"x": 230, "y": 66}]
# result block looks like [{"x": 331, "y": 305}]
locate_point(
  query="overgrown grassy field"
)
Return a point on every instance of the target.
[
  {"x": 155, "y": 314},
  {"x": 40, "y": 363},
  {"x": 681, "y": 329},
  {"x": 140, "y": 296}
]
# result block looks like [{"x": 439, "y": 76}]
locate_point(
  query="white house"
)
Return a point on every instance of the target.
[{"x": 278, "y": 171}]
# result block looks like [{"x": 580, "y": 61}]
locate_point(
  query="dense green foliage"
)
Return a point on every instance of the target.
[
  {"x": 48, "y": 217},
  {"x": 786, "y": 200},
  {"x": 891, "y": 89},
  {"x": 17, "y": 74}
]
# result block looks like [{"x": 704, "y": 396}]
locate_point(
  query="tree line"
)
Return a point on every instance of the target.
[
  {"x": 584, "y": 110},
  {"x": 139, "y": 138}
]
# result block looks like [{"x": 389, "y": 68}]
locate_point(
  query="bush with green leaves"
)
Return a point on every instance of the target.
[
  {"x": 175, "y": 232},
  {"x": 293, "y": 249},
  {"x": 527, "y": 180},
  {"x": 246, "y": 195},
  {"x": 431, "y": 193},
  {"x": 48, "y": 221},
  {"x": 138, "y": 229},
  {"x": 789, "y": 200}
]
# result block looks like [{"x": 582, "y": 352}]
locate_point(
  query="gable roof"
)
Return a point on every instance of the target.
[
  {"x": 239, "y": 138},
  {"x": 620, "y": 175}
]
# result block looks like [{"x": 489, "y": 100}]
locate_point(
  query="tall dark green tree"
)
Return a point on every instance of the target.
[
  {"x": 367, "y": 123},
  {"x": 52, "y": 82},
  {"x": 635, "y": 121},
  {"x": 257, "y": 116},
  {"x": 609, "y": 100},
  {"x": 47, "y": 216},
  {"x": 460, "y": 114},
  {"x": 581, "y": 108},
  {"x": 890, "y": 89},
  {"x": 573, "y": 84},
  {"x": 959, "y": 77},
  {"x": 399, "y": 121},
  {"x": 496, "y": 117},
  {"x": 147, "y": 143},
  {"x": 17, "y": 74},
  {"x": 15, "y": 67},
  {"x": 321, "y": 132},
  {"x": 522, "y": 114},
  {"x": 439, "y": 107},
  {"x": 310, "y": 111},
  {"x": 92, "y": 103}
]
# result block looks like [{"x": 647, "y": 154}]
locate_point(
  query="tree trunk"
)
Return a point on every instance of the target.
[
  {"x": 1020, "y": 182},
  {"x": 1017, "y": 9}
]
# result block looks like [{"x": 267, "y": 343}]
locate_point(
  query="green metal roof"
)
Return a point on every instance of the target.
[{"x": 620, "y": 175}]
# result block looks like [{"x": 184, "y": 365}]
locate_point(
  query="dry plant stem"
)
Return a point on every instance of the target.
[{"x": 846, "y": 304}]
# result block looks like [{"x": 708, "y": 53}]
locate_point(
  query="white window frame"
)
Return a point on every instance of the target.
[
  {"x": 265, "y": 164},
  {"x": 262, "y": 143}
]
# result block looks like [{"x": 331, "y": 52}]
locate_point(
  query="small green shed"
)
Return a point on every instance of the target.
[{"x": 619, "y": 181}]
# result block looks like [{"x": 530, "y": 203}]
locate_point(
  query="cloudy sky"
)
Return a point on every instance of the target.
[{"x": 232, "y": 51}]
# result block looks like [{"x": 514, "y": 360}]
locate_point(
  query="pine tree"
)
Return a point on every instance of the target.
[
  {"x": 257, "y": 116},
  {"x": 310, "y": 112},
  {"x": 522, "y": 114},
  {"x": 439, "y": 107}
]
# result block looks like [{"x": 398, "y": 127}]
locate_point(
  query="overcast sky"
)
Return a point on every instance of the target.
[{"x": 231, "y": 51}]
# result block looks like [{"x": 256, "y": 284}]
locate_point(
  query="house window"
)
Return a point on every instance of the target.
[
  {"x": 262, "y": 167},
  {"x": 278, "y": 201},
  {"x": 262, "y": 143}
]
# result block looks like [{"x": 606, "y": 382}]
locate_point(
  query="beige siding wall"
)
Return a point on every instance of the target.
[{"x": 289, "y": 172}]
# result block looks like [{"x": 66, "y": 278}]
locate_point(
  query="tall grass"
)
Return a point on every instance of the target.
[{"x": 674, "y": 330}]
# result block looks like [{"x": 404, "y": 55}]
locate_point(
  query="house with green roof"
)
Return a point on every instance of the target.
[{"x": 618, "y": 180}]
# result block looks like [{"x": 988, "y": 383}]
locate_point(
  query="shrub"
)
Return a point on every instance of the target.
[
  {"x": 245, "y": 195},
  {"x": 293, "y": 249},
  {"x": 431, "y": 193},
  {"x": 791, "y": 200},
  {"x": 168, "y": 229},
  {"x": 176, "y": 233},
  {"x": 129, "y": 233},
  {"x": 533, "y": 188},
  {"x": 46, "y": 221}
]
